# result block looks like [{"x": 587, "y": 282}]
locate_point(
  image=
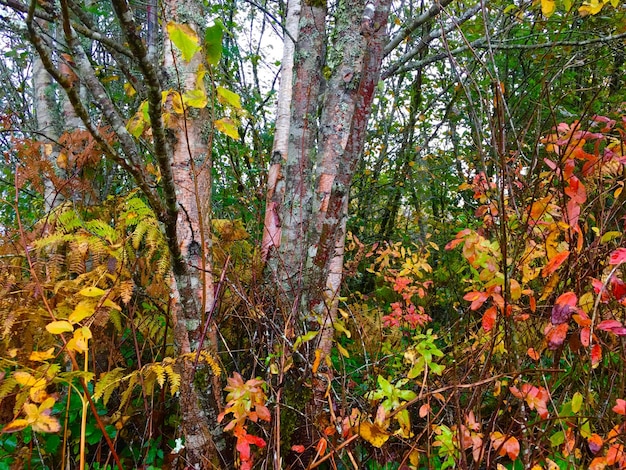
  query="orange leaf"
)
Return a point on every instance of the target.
[
  {"x": 489, "y": 318},
  {"x": 477, "y": 299},
  {"x": 299, "y": 448},
  {"x": 533, "y": 354},
  {"x": 507, "y": 445},
  {"x": 321, "y": 446},
  {"x": 424, "y": 409},
  {"x": 614, "y": 454},
  {"x": 554, "y": 263},
  {"x": 595, "y": 443},
  {"x": 599, "y": 463}
]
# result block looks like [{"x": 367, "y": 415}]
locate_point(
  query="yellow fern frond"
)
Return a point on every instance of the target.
[
  {"x": 107, "y": 384},
  {"x": 174, "y": 379}
]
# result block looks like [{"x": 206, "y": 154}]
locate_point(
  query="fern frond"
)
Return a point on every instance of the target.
[
  {"x": 7, "y": 386},
  {"x": 69, "y": 220},
  {"x": 107, "y": 384},
  {"x": 174, "y": 379},
  {"x": 102, "y": 230},
  {"x": 205, "y": 357},
  {"x": 133, "y": 380}
]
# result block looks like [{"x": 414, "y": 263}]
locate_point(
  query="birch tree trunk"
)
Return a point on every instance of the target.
[
  {"x": 183, "y": 200},
  {"x": 326, "y": 137}
]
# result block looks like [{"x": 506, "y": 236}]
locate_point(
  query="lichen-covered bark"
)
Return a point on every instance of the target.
[
  {"x": 326, "y": 136},
  {"x": 275, "y": 180},
  {"x": 288, "y": 263}
]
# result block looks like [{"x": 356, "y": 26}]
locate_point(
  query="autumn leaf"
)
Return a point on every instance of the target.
[
  {"x": 41, "y": 356},
  {"x": 489, "y": 318},
  {"x": 555, "y": 263},
  {"x": 92, "y": 292},
  {"x": 595, "y": 443},
  {"x": 373, "y": 434},
  {"x": 227, "y": 126},
  {"x": 563, "y": 309},
  {"x": 548, "y": 7},
  {"x": 620, "y": 407},
  {"x": 618, "y": 256},
  {"x": 533, "y": 354},
  {"x": 596, "y": 355},
  {"x": 477, "y": 299},
  {"x": 298, "y": 448},
  {"x": 58, "y": 327},
  {"x": 555, "y": 335},
  {"x": 228, "y": 97},
  {"x": 505, "y": 445},
  {"x": 184, "y": 38}
]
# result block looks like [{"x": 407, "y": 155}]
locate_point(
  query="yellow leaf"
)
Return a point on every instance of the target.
[
  {"x": 184, "y": 38},
  {"x": 593, "y": 7},
  {"x": 225, "y": 96},
  {"x": 343, "y": 351},
  {"x": 316, "y": 362},
  {"x": 84, "y": 309},
  {"x": 41, "y": 356},
  {"x": 92, "y": 292},
  {"x": 195, "y": 98},
  {"x": 24, "y": 379},
  {"x": 548, "y": 7},
  {"x": 228, "y": 127},
  {"x": 373, "y": 434},
  {"x": 58, "y": 327},
  {"x": 129, "y": 90},
  {"x": 177, "y": 103},
  {"x": 15, "y": 425},
  {"x": 80, "y": 340},
  {"x": 46, "y": 423},
  {"x": 608, "y": 236},
  {"x": 109, "y": 303}
]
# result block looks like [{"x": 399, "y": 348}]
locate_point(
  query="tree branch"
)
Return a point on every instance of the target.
[{"x": 416, "y": 23}]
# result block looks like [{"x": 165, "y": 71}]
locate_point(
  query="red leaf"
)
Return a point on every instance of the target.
[
  {"x": 554, "y": 263},
  {"x": 563, "y": 309},
  {"x": 576, "y": 190},
  {"x": 596, "y": 355},
  {"x": 618, "y": 288},
  {"x": 585, "y": 336},
  {"x": 618, "y": 256},
  {"x": 299, "y": 448},
  {"x": 489, "y": 318},
  {"x": 555, "y": 335},
  {"x": 613, "y": 326},
  {"x": 620, "y": 407}
]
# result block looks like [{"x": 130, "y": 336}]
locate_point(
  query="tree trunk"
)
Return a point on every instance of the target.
[{"x": 326, "y": 137}]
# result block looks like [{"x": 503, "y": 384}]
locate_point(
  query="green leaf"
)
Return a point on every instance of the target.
[
  {"x": 213, "y": 42},
  {"x": 184, "y": 38},
  {"x": 228, "y": 127},
  {"x": 385, "y": 386},
  {"x": 557, "y": 438},
  {"x": 229, "y": 98}
]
